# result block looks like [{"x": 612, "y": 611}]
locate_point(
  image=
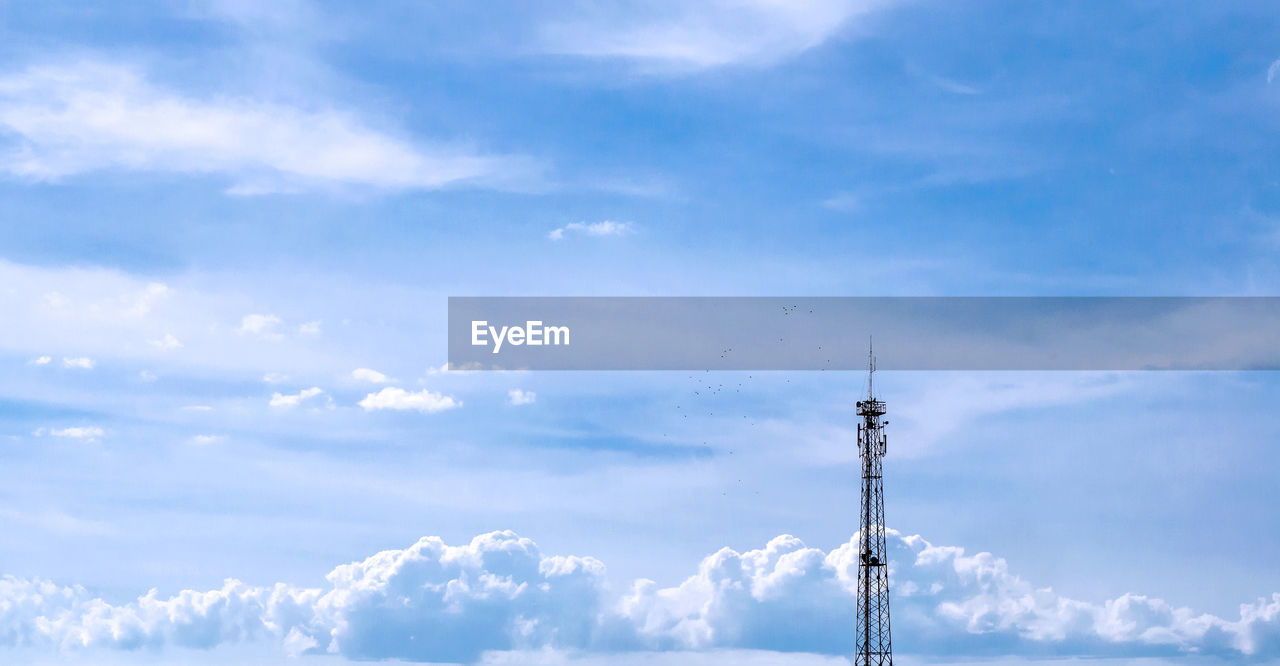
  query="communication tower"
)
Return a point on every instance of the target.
[{"x": 874, "y": 647}]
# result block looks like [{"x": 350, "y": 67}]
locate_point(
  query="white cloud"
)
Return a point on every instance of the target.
[
  {"x": 147, "y": 376},
  {"x": 141, "y": 303},
  {"x": 204, "y": 440},
  {"x": 700, "y": 35},
  {"x": 263, "y": 326},
  {"x": 206, "y": 318},
  {"x": 843, "y": 202},
  {"x": 78, "y": 362},
  {"x": 97, "y": 312},
  {"x": 166, "y": 342},
  {"x": 554, "y": 657},
  {"x": 441, "y": 603},
  {"x": 368, "y": 375},
  {"x": 40, "y": 360},
  {"x": 55, "y": 301},
  {"x": 946, "y": 600},
  {"x": 309, "y": 328},
  {"x": 605, "y": 228},
  {"x": 275, "y": 378},
  {"x": 428, "y": 602},
  {"x": 89, "y": 433},
  {"x": 1273, "y": 70},
  {"x": 283, "y": 400},
  {"x": 938, "y": 409},
  {"x": 521, "y": 397},
  {"x": 135, "y": 303},
  {"x": 197, "y": 408},
  {"x": 39, "y": 613},
  {"x": 948, "y": 402},
  {"x": 88, "y": 116},
  {"x": 400, "y": 399}
]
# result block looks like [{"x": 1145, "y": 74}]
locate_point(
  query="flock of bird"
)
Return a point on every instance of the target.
[{"x": 704, "y": 388}]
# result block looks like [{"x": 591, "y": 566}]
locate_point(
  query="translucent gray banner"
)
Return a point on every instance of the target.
[{"x": 831, "y": 333}]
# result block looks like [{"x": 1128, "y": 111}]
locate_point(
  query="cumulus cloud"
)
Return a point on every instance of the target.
[
  {"x": 207, "y": 439},
  {"x": 435, "y": 602},
  {"x": 166, "y": 342},
  {"x": 399, "y": 399},
  {"x": 87, "y": 116},
  {"x": 293, "y": 400},
  {"x": 944, "y": 599},
  {"x": 521, "y": 397},
  {"x": 40, "y": 360},
  {"x": 701, "y": 35},
  {"x": 369, "y": 375},
  {"x": 78, "y": 362},
  {"x": 275, "y": 378},
  {"x": 309, "y": 328},
  {"x": 450, "y": 603},
  {"x": 428, "y": 602},
  {"x": 141, "y": 303},
  {"x": 261, "y": 325},
  {"x": 605, "y": 228},
  {"x": 39, "y": 613}
]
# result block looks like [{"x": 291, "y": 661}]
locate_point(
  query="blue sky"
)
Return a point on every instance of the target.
[{"x": 229, "y": 233}]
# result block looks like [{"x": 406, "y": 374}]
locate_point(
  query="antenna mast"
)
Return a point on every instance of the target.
[
  {"x": 871, "y": 367},
  {"x": 874, "y": 647}
]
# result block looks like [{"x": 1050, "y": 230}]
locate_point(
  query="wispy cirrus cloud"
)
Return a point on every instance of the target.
[
  {"x": 86, "y": 433},
  {"x": 67, "y": 119},
  {"x": 78, "y": 362},
  {"x": 701, "y": 35},
  {"x": 602, "y": 228}
]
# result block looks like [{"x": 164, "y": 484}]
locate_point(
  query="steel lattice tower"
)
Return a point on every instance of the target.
[{"x": 874, "y": 646}]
